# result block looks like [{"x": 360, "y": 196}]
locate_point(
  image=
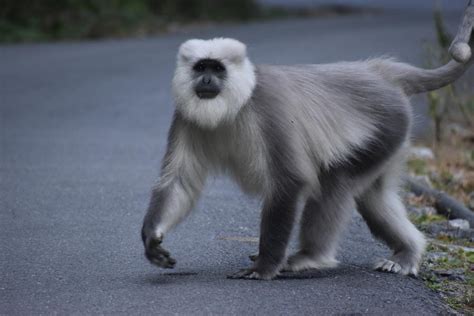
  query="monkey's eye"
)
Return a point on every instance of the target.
[
  {"x": 200, "y": 67},
  {"x": 219, "y": 68}
]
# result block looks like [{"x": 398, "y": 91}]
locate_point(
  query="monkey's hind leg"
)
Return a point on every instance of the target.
[
  {"x": 275, "y": 229},
  {"x": 386, "y": 216},
  {"x": 322, "y": 223}
]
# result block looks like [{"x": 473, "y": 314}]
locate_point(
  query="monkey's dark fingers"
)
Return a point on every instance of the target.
[
  {"x": 158, "y": 255},
  {"x": 162, "y": 261}
]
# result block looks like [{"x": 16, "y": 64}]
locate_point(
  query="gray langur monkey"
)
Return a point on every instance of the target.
[{"x": 334, "y": 135}]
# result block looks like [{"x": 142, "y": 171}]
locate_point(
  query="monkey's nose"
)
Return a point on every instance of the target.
[{"x": 206, "y": 79}]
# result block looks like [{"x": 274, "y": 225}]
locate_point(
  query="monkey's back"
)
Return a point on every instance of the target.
[{"x": 332, "y": 114}]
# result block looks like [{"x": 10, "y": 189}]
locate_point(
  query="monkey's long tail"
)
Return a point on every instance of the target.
[{"x": 416, "y": 80}]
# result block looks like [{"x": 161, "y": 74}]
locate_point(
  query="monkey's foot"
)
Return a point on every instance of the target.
[
  {"x": 396, "y": 265},
  {"x": 157, "y": 255},
  {"x": 252, "y": 274},
  {"x": 386, "y": 265},
  {"x": 302, "y": 262}
]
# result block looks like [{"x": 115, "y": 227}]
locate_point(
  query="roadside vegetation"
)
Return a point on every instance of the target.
[
  {"x": 52, "y": 20},
  {"x": 446, "y": 163},
  {"x": 80, "y": 19}
]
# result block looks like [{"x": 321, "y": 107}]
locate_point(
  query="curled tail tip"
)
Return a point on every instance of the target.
[{"x": 460, "y": 50}]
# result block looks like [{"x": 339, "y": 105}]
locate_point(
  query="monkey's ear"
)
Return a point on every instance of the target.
[
  {"x": 230, "y": 49},
  {"x": 189, "y": 50}
]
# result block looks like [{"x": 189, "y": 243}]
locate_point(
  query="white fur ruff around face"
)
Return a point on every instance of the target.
[{"x": 237, "y": 89}]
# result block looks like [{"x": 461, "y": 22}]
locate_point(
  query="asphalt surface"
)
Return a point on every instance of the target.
[{"x": 83, "y": 130}]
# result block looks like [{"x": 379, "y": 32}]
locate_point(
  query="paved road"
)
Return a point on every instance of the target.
[{"x": 83, "y": 130}]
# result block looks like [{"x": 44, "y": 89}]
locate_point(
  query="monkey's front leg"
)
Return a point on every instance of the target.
[
  {"x": 182, "y": 178},
  {"x": 153, "y": 229},
  {"x": 168, "y": 206},
  {"x": 275, "y": 229}
]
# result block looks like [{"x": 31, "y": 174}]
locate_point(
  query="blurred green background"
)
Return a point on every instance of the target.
[
  {"x": 78, "y": 19},
  {"x": 50, "y": 20}
]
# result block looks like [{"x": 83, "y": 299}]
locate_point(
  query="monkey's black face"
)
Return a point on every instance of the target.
[{"x": 209, "y": 77}]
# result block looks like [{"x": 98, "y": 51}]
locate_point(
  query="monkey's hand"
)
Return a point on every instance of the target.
[{"x": 157, "y": 254}]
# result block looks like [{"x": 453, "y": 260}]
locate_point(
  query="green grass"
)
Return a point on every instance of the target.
[
  {"x": 459, "y": 294},
  {"x": 426, "y": 219}
]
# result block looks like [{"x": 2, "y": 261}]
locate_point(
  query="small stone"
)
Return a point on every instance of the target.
[
  {"x": 421, "y": 153},
  {"x": 435, "y": 256},
  {"x": 458, "y": 223},
  {"x": 437, "y": 228},
  {"x": 457, "y": 277},
  {"x": 466, "y": 234},
  {"x": 457, "y": 233}
]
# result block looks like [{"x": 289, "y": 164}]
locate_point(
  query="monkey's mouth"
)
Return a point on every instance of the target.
[{"x": 206, "y": 94}]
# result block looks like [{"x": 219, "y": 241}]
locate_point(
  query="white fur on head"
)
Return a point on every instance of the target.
[{"x": 237, "y": 88}]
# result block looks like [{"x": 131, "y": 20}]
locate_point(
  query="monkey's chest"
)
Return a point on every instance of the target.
[
  {"x": 244, "y": 161},
  {"x": 247, "y": 175}
]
